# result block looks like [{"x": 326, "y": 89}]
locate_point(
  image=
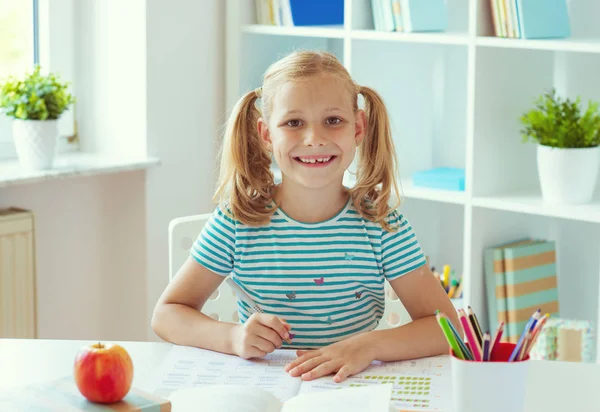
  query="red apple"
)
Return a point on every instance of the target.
[{"x": 103, "y": 372}]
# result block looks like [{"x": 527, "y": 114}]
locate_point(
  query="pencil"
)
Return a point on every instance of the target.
[
  {"x": 486, "y": 347},
  {"x": 475, "y": 324},
  {"x": 453, "y": 288},
  {"x": 515, "y": 353},
  {"x": 498, "y": 336},
  {"x": 475, "y": 348},
  {"x": 461, "y": 342},
  {"x": 529, "y": 334},
  {"x": 443, "y": 322},
  {"x": 535, "y": 334}
]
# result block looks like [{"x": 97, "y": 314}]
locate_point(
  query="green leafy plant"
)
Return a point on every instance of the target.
[
  {"x": 561, "y": 122},
  {"x": 35, "y": 96}
]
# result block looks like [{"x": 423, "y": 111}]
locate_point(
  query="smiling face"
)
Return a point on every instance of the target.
[{"x": 313, "y": 130}]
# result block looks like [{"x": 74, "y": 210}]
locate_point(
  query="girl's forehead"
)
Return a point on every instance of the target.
[{"x": 326, "y": 90}]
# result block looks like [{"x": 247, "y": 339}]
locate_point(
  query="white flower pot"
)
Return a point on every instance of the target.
[
  {"x": 568, "y": 176},
  {"x": 35, "y": 142}
]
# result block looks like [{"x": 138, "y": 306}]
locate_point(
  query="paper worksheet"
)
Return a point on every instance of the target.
[
  {"x": 418, "y": 385},
  {"x": 187, "y": 367}
]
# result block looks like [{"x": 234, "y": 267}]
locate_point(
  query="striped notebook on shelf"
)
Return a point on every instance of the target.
[
  {"x": 495, "y": 282},
  {"x": 531, "y": 283}
]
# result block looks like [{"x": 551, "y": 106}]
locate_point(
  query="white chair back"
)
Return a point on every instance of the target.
[
  {"x": 222, "y": 304},
  {"x": 183, "y": 232}
]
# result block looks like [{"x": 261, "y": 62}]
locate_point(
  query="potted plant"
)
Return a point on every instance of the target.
[
  {"x": 568, "y": 150},
  {"x": 35, "y": 102}
]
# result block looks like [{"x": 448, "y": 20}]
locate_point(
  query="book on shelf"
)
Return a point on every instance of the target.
[
  {"x": 409, "y": 15},
  {"x": 295, "y": 13},
  {"x": 530, "y": 19},
  {"x": 520, "y": 277}
]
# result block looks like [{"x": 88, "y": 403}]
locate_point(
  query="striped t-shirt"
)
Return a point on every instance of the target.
[{"x": 325, "y": 279}]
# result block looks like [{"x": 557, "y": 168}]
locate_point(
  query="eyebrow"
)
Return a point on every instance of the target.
[{"x": 299, "y": 111}]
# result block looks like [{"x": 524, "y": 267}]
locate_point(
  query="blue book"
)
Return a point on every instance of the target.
[
  {"x": 543, "y": 19},
  {"x": 424, "y": 15},
  {"x": 317, "y": 12}
]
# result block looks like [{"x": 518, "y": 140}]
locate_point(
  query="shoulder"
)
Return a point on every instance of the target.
[{"x": 222, "y": 218}]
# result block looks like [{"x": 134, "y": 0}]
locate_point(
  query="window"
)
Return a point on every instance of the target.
[
  {"x": 18, "y": 36},
  {"x": 35, "y": 32},
  {"x": 18, "y": 52}
]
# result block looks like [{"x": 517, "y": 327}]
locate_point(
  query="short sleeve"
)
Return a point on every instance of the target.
[
  {"x": 401, "y": 252},
  {"x": 215, "y": 246}
]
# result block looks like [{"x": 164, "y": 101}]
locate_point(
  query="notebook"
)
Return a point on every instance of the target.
[
  {"x": 247, "y": 399},
  {"x": 63, "y": 395},
  {"x": 416, "y": 385},
  {"x": 531, "y": 284}
]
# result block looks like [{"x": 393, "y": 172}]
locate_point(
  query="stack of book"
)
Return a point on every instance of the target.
[
  {"x": 530, "y": 19},
  {"x": 520, "y": 277},
  {"x": 300, "y": 12},
  {"x": 409, "y": 15}
]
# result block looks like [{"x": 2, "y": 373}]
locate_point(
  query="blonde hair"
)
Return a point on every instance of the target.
[{"x": 246, "y": 182}]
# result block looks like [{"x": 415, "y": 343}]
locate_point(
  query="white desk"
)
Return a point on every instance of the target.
[{"x": 552, "y": 386}]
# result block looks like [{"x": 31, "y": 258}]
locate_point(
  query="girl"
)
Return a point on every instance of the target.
[{"x": 311, "y": 253}]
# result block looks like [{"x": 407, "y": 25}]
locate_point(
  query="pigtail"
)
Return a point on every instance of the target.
[
  {"x": 377, "y": 163},
  {"x": 245, "y": 178}
]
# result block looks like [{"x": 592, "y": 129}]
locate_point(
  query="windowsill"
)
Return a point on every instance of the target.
[{"x": 72, "y": 165}]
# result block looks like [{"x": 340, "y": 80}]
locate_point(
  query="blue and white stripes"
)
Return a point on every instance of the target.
[{"x": 325, "y": 279}]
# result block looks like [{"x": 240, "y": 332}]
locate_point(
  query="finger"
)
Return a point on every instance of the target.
[
  {"x": 342, "y": 374},
  {"x": 262, "y": 344},
  {"x": 302, "y": 352},
  {"x": 303, "y": 358},
  {"x": 253, "y": 352},
  {"x": 322, "y": 370},
  {"x": 308, "y": 365},
  {"x": 268, "y": 334},
  {"x": 276, "y": 324}
]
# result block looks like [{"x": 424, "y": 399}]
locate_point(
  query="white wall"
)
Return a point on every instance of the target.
[
  {"x": 185, "y": 68},
  {"x": 102, "y": 241},
  {"x": 90, "y": 255}
]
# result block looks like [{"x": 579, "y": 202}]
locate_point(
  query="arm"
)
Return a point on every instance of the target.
[
  {"x": 421, "y": 295},
  {"x": 423, "y": 336},
  {"x": 177, "y": 317}
]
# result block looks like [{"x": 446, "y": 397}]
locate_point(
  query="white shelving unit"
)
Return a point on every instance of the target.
[{"x": 455, "y": 99}]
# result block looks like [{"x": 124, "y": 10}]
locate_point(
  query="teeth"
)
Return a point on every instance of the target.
[{"x": 315, "y": 160}]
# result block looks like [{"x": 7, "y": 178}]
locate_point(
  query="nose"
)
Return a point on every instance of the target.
[{"x": 313, "y": 138}]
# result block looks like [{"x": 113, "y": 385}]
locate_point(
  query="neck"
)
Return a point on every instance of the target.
[{"x": 310, "y": 205}]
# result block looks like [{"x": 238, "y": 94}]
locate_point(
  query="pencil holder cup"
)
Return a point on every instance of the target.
[{"x": 493, "y": 386}]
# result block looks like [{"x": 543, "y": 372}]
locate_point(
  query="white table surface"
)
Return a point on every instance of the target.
[{"x": 551, "y": 387}]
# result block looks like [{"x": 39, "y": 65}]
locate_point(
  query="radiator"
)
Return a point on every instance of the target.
[{"x": 17, "y": 274}]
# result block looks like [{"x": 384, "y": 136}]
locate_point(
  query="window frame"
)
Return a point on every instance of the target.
[{"x": 54, "y": 50}]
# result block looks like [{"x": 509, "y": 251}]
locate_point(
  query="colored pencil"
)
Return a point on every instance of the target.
[
  {"x": 529, "y": 334},
  {"x": 461, "y": 342},
  {"x": 515, "y": 353},
  {"x": 476, "y": 327},
  {"x": 497, "y": 338},
  {"x": 486, "y": 347},
  {"x": 536, "y": 333},
  {"x": 443, "y": 322},
  {"x": 470, "y": 333}
]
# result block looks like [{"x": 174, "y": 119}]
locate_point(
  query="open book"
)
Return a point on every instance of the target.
[
  {"x": 416, "y": 385},
  {"x": 237, "y": 398}
]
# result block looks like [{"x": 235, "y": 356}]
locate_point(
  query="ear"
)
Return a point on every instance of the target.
[
  {"x": 263, "y": 132},
  {"x": 360, "y": 127}
]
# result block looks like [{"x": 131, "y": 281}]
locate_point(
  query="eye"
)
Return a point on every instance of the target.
[
  {"x": 333, "y": 120},
  {"x": 293, "y": 123}
]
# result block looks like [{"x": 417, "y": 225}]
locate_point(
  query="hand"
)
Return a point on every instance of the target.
[
  {"x": 346, "y": 357},
  {"x": 259, "y": 335}
]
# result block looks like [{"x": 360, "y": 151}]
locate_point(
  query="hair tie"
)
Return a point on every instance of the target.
[{"x": 258, "y": 92}]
